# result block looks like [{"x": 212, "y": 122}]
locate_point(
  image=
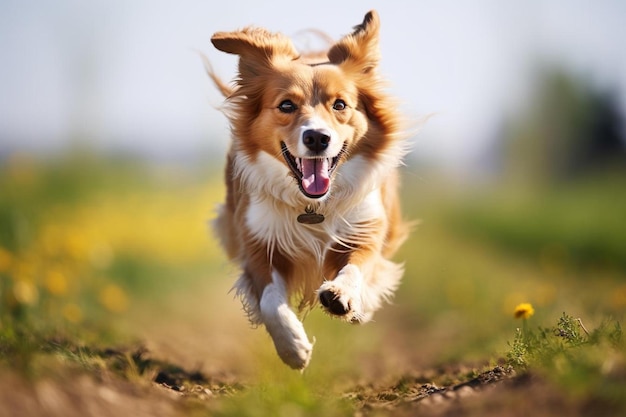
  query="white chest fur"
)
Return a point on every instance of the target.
[{"x": 276, "y": 224}]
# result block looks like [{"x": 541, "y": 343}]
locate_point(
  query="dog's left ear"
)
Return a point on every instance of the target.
[{"x": 359, "y": 51}]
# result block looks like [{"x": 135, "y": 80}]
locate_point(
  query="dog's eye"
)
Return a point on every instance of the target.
[
  {"x": 339, "y": 105},
  {"x": 287, "y": 106}
]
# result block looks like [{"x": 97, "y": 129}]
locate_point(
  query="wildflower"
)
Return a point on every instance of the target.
[
  {"x": 523, "y": 311},
  {"x": 25, "y": 292},
  {"x": 56, "y": 282},
  {"x": 113, "y": 298}
]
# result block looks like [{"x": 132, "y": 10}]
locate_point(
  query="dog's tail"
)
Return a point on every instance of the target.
[{"x": 224, "y": 88}]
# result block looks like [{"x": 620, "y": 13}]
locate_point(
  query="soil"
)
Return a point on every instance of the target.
[
  {"x": 131, "y": 382},
  {"x": 77, "y": 380}
]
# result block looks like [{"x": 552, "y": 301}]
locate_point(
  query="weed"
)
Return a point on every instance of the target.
[
  {"x": 569, "y": 329},
  {"x": 590, "y": 362},
  {"x": 517, "y": 356}
]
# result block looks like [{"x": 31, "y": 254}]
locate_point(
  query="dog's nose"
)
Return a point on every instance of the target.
[{"x": 316, "y": 140}]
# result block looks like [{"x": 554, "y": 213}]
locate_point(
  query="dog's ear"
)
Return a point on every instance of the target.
[
  {"x": 359, "y": 50},
  {"x": 257, "y": 48}
]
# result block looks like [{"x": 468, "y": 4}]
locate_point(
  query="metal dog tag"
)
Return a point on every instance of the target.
[{"x": 310, "y": 216}]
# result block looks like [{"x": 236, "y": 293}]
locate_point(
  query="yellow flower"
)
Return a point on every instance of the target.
[
  {"x": 523, "y": 311},
  {"x": 25, "y": 292},
  {"x": 113, "y": 298},
  {"x": 56, "y": 282}
]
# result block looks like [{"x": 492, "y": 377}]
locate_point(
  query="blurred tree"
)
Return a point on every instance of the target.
[{"x": 569, "y": 129}]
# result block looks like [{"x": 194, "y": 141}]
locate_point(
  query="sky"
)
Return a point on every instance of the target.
[{"x": 127, "y": 75}]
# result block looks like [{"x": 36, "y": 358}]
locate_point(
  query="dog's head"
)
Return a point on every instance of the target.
[{"x": 310, "y": 113}]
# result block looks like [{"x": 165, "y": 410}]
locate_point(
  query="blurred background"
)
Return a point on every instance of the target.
[
  {"x": 126, "y": 76},
  {"x": 111, "y": 150}
]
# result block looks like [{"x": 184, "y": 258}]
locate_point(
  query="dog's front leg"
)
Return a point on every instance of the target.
[
  {"x": 363, "y": 283},
  {"x": 287, "y": 332},
  {"x": 342, "y": 296}
]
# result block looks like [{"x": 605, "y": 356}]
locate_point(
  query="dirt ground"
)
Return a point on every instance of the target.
[
  {"x": 192, "y": 366},
  {"x": 165, "y": 389}
]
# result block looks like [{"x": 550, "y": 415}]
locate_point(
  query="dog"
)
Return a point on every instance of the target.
[{"x": 312, "y": 212}]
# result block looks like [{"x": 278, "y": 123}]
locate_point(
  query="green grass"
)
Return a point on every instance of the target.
[
  {"x": 580, "y": 223},
  {"x": 99, "y": 256},
  {"x": 583, "y": 361},
  {"x": 287, "y": 395}
]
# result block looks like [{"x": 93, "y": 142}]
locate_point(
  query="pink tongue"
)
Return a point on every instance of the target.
[{"x": 315, "y": 180}]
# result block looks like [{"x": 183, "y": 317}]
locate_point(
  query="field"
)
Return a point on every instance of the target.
[{"x": 114, "y": 300}]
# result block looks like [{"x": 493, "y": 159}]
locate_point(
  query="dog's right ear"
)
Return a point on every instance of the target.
[{"x": 257, "y": 48}]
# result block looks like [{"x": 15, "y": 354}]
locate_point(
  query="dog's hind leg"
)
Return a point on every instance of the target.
[{"x": 287, "y": 332}]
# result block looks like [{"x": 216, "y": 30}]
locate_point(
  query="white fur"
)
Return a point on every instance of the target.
[
  {"x": 317, "y": 123},
  {"x": 287, "y": 332},
  {"x": 359, "y": 176},
  {"x": 381, "y": 279},
  {"x": 347, "y": 287},
  {"x": 267, "y": 177},
  {"x": 361, "y": 293},
  {"x": 275, "y": 223},
  {"x": 276, "y": 201}
]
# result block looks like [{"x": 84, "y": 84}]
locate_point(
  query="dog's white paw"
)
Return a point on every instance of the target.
[
  {"x": 291, "y": 342},
  {"x": 342, "y": 296}
]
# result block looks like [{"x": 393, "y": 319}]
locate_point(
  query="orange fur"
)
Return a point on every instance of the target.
[{"x": 277, "y": 95}]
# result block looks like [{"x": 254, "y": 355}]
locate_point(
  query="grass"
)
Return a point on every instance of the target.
[
  {"x": 583, "y": 362},
  {"x": 579, "y": 223},
  {"x": 107, "y": 272}
]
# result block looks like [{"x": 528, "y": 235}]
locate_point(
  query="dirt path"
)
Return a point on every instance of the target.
[
  {"x": 197, "y": 355},
  {"x": 122, "y": 382}
]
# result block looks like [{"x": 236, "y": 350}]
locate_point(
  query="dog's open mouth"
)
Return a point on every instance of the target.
[{"x": 313, "y": 174}]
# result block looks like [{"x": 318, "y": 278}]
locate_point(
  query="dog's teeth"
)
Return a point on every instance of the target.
[{"x": 299, "y": 163}]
